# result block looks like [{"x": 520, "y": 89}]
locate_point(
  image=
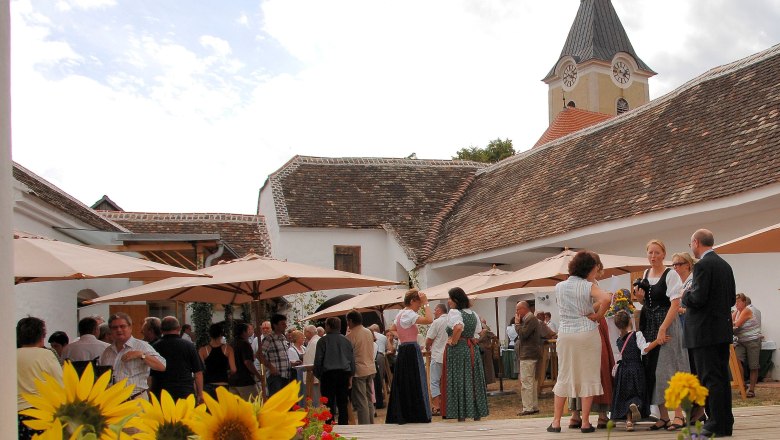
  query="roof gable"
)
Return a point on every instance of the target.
[
  {"x": 404, "y": 196},
  {"x": 597, "y": 33},
  {"x": 717, "y": 135}
]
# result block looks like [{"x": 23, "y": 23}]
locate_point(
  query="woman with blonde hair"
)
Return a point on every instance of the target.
[
  {"x": 661, "y": 290},
  {"x": 409, "y": 401},
  {"x": 747, "y": 329}
]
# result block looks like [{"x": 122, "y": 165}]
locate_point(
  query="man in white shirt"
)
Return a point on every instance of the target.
[
  {"x": 310, "y": 333},
  {"x": 87, "y": 347},
  {"x": 379, "y": 380},
  {"x": 130, "y": 358},
  {"x": 435, "y": 342}
]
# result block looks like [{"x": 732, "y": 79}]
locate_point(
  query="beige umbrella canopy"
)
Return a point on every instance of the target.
[
  {"x": 555, "y": 269},
  {"x": 42, "y": 259},
  {"x": 761, "y": 241},
  {"x": 375, "y": 300},
  {"x": 246, "y": 279},
  {"x": 469, "y": 284}
]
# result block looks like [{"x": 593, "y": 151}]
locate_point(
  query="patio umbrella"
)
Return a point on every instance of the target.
[
  {"x": 375, "y": 300},
  {"x": 243, "y": 280},
  {"x": 43, "y": 259},
  {"x": 761, "y": 241},
  {"x": 469, "y": 284},
  {"x": 555, "y": 269}
]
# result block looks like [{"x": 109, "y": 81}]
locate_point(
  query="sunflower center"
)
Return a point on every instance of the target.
[
  {"x": 81, "y": 413},
  {"x": 233, "y": 429},
  {"x": 173, "y": 431}
]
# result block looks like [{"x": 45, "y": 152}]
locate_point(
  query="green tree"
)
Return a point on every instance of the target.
[{"x": 496, "y": 150}]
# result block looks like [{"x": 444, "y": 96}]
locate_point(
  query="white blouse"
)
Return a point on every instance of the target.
[
  {"x": 673, "y": 284},
  {"x": 454, "y": 318},
  {"x": 407, "y": 318}
]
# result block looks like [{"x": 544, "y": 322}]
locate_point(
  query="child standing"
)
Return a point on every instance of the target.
[{"x": 629, "y": 390}]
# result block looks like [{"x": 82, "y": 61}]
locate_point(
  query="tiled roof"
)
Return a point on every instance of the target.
[
  {"x": 597, "y": 33},
  {"x": 408, "y": 197},
  {"x": 61, "y": 200},
  {"x": 716, "y": 136},
  {"x": 243, "y": 233},
  {"x": 568, "y": 121}
]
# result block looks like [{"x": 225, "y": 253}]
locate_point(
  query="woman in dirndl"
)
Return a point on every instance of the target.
[
  {"x": 409, "y": 401},
  {"x": 463, "y": 378}
]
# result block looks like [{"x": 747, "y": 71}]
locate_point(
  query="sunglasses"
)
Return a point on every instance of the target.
[{"x": 678, "y": 264}]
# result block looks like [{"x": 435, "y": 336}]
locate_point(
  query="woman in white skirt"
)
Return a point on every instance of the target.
[{"x": 579, "y": 343}]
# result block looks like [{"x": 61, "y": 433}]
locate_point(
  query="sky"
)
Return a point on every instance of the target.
[{"x": 189, "y": 105}]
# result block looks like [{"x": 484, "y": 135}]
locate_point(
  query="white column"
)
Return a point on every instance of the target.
[{"x": 7, "y": 302}]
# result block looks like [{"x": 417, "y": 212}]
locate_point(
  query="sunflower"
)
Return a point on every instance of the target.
[
  {"x": 276, "y": 419},
  {"x": 79, "y": 404},
  {"x": 55, "y": 433},
  {"x": 229, "y": 418},
  {"x": 163, "y": 419}
]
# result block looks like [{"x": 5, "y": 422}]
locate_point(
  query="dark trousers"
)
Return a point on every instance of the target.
[
  {"x": 712, "y": 367},
  {"x": 276, "y": 383},
  {"x": 335, "y": 386},
  {"x": 379, "y": 381}
]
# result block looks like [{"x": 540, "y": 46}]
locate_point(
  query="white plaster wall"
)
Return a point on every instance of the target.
[{"x": 266, "y": 208}]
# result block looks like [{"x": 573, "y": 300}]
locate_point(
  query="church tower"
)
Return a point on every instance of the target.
[{"x": 597, "y": 70}]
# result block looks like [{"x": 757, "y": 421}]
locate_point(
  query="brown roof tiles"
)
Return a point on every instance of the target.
[{"x": 568, "y": 121}]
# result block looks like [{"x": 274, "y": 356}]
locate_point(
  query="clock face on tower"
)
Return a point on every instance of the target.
[
  {"x": 621, "y": 72},
  {"x": 569, "y": 75}
]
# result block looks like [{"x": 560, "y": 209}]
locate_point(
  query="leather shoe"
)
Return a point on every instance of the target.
[
  {"x": 588, "y": 430},
  {"x": 706, "y": 433},
  {"x": 528, "y": 413},
  {"x": 551, "y": 429}
]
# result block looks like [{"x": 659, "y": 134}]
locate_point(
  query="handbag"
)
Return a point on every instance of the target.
[{"x": 615, "y": 367}]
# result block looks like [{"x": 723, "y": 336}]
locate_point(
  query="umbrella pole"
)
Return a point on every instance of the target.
[{"x": 500, "y": 391}]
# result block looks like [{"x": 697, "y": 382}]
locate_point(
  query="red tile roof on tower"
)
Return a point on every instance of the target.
[{"x": 568, "y": 121}]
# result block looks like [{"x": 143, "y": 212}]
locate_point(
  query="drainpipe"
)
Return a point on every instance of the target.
[{"x": 215, "y": 255}]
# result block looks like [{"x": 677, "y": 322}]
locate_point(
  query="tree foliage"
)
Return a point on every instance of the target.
[{"x": 494, "y": 151}]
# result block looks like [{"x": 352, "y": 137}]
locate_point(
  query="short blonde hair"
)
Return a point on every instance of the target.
[
  {"x": 658, "y": 243},
  {"x": 411, "y": 295},
  {"x": 743, "y": 297},
  {"x": 685, "y": 256}
]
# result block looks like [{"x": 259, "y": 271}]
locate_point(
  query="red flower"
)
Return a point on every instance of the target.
[
  {"x": 308, "y": 399},
  {"x": 326, "y": 415},
  {"x": 324, "y": 400},
  {"x": 327, "y": 428},
  {"x": 296, "y": 407},
  {"x": 326, "y": 436}
]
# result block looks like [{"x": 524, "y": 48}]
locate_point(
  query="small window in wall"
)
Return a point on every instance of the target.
[
  {"x": 571, "y": 104},
  {"x": 622, "y": 106},
  {"x": 346, "y": 258}
]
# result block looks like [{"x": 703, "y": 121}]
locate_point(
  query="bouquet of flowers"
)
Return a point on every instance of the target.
[
  {"x": 621, "y": 300},
  {"x": 316, "y": 426}
]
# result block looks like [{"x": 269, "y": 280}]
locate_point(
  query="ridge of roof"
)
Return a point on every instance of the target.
[
  {"x": 570, "y": 120},
  {"x": 107, "y": 200},
  {"x": 597, "y": 33},
  {"x": 53, "y": 195},
  {"x": 181, "y": 216},
  {"x": 709, "y": 75}
]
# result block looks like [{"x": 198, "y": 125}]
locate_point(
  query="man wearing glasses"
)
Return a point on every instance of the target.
[
  {"x": 708, "y": 330},
  {"x": 130, "y": 358}
]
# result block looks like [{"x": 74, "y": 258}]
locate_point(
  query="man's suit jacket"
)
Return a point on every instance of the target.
[{"x": 713, "y": 293}]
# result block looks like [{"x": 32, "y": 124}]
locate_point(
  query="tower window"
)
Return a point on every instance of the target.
[
  {"x": 622, "y": 106},
  {"x": 571, "y": 104}
]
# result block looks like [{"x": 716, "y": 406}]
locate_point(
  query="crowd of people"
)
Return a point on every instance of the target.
[{"x": 686, "y": 324}]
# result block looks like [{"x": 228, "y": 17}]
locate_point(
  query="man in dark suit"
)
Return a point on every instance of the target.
[{"x": 708, "y": 330}]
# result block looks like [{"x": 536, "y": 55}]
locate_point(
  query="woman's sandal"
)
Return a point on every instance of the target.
[
  {"x": 657, "y": 427},
  {"x": 602, "y": 423},
  {"x": 629, "y": 426},
  {"x": 575, "y": 424},
  {"x": 676, "y": 426},
  {"x": 750, "y": 394},
  {"x": 551, "y": 429}
]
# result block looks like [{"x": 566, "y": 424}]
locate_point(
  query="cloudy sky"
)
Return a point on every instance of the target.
[{"x": 188, "y": 105}]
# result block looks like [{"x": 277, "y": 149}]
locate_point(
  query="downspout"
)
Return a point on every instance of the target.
[{"x": 215, "y": 255}]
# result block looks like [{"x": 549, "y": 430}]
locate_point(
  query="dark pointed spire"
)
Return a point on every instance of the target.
[{"x": 597, "y": 34}]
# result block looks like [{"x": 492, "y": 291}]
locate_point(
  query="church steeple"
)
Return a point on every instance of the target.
[{"x": 598, "y": 69}]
